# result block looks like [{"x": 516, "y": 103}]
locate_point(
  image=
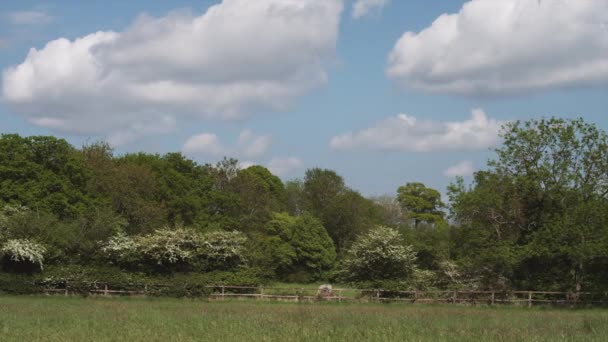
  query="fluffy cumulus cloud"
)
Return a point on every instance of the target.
[
  {"x": 407, "y": 133},
  {"x": 34, "y": 17},
  {"x": 238, "y": 57},
  {"x": 362, "y": 8},
  {"x": 284, "y": 166},
  {"x": 462, "y": 169},
  {"x": 248, "y": 145},
  {"x": 506, "y": 47}
]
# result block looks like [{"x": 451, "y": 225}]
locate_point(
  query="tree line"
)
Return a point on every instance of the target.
[{"x": 535, "y": 218}]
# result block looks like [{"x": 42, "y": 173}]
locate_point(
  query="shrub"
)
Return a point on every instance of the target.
[
  {"x": 221, "y": 250},
  {"x": 18, "y": 284},
  {"x": 169, "y": 247},
  {"x": 23, "y": 252},
  {"x": 378, "y": 255},
  {"x": 120, "y": 249},
  {"x": 177, "y": 250}
]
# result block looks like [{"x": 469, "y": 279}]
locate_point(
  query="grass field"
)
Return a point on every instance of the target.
[{"x": 130, "y": 319}]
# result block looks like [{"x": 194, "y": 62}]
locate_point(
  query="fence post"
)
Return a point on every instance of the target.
[
  {"x": 530, "y": 299},
  {"x": 493, "y": 297},
  {"x": 146, "y": 289},
  {"x": 454, "y": 297},
  {"x": 262, "y": 292},
  {"x": 378, "y": 295},
  {"x": 223, "y": 295},
  {"x": 105, "y": 290},
  {"x": 340, "y": 296},
  {"x": 66, "y": 289}
]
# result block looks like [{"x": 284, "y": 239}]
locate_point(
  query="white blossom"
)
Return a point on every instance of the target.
[{"x": 24, "y": 250}]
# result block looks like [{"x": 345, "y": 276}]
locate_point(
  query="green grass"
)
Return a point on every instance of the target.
[{"x": 131, "y": 319}]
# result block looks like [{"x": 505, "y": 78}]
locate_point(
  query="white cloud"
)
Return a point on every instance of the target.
[
  {"x": 238, "y": 58},
  {"x": 252, "y": 146},
  {"x": 407, "y": 133},
  {"x": 248, "y": 145},
  {"x": 463, "y": 169},
  {"x": 283, "y": 166},
  {"x": 34, "y": 17},
  {"x": 362, "y": 8},
  {"x": 507, "y": 46}
]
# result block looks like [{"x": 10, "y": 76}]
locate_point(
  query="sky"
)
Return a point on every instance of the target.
[{"x": 384, "y": 92}]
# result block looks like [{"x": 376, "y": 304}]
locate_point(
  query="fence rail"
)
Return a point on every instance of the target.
[{"x": 220, "y": 292}]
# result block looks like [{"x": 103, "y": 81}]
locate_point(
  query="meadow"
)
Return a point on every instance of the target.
[{"x": 146, "y": 319}]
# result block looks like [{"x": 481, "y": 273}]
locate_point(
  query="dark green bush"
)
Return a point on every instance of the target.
[{"x": 17, "y": 284}]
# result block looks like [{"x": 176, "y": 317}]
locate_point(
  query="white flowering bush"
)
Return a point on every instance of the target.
[
  {"x": 23, "y": 251},
  {"x": 120, "y": 249},
  {"x": 380, "y": 254},
  {"x": 222, "y": 250},
  {"x": 168, "y": 247},
  {"x": 178, "y": 249}
]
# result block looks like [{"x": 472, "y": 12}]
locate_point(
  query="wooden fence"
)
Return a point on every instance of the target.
[{"x": 221, "y": 292}]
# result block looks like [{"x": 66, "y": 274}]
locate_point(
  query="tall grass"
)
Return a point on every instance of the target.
[{"x": 131, "y": 319}]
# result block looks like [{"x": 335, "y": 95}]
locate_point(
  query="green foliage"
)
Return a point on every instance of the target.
[
  {"x": 349, "y": 215},
  {"x": 295, "y": 197},
  {"x": 321, "y": 187},
  {"x": 420, "y": 203},
  {"x": 260, "y": 194},
  {"x": 18, "y": 284},
  {"x": 389, "y": 210},
  {"x": 43, "y": 173},
  {"x": 295, "y": 248},
  {"x": 314, "y": 249},
  {"x": 431, "y": 243},
  {"x": 380, "y": 254},
  {"x": 344, "y": 212},
  {"x": 536, "y": 218}
]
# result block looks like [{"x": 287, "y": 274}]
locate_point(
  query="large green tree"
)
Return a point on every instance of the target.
[
  {"x": 260, "y": 194},
  {"x": 295, "y": 247},
  {"x": 421, "y": 204},
  {"x": 539, "y": 211},
  {"x": 43, "y": 173},
  {"x": 343, "y": 211}
]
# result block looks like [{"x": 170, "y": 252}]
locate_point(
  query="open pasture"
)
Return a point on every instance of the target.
[{"x": 141, "y": 319}]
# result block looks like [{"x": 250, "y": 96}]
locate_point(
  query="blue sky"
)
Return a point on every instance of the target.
[{"x": 294, "y": 84}]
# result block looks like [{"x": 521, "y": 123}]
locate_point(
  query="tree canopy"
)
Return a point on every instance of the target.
[{"x": 535, "y": 218}]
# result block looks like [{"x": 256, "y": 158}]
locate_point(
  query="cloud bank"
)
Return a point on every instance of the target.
[
  {"x": 407, "y": 133},
  {"x": 238, "y": 58},
  {"x": 506, "y": 47}
]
